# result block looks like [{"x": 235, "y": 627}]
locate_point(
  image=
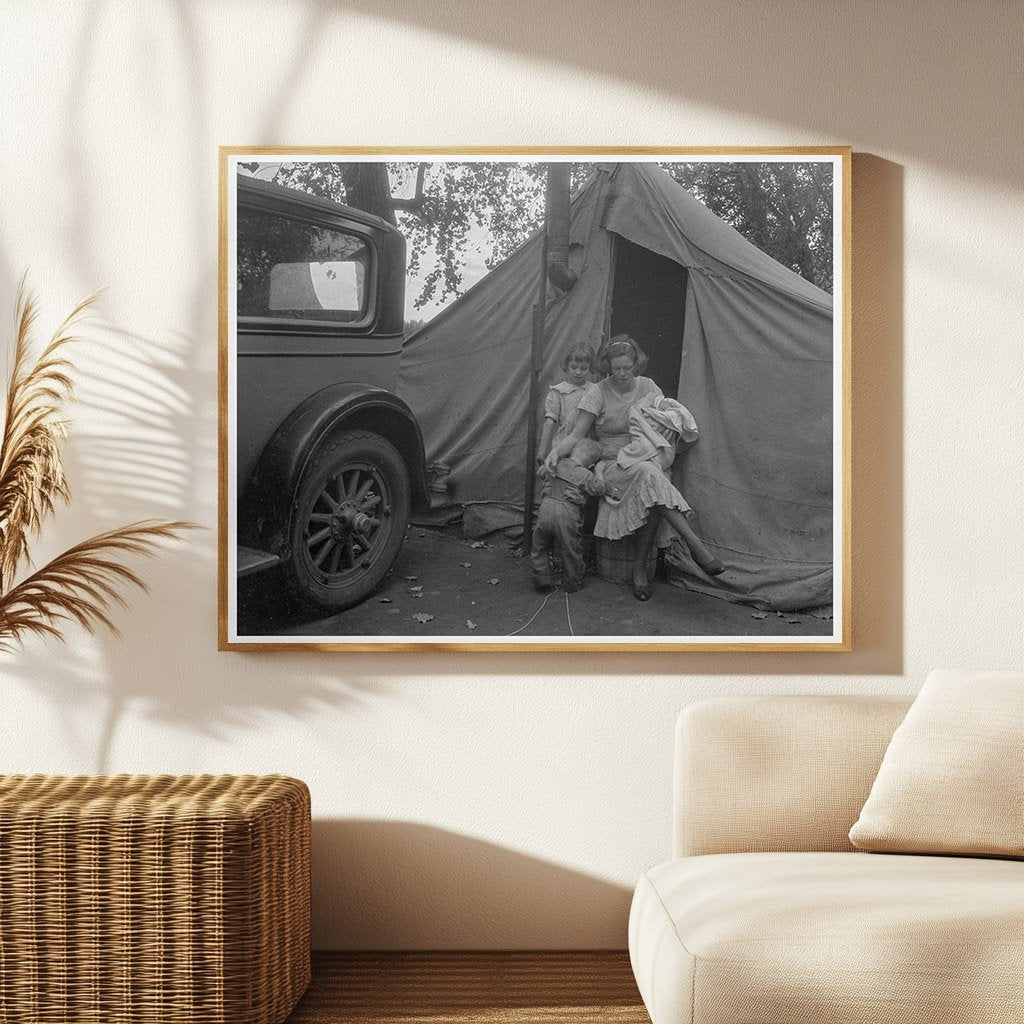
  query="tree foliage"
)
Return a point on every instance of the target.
[
  {"x": 450, "y": 211},
  {"x": 785, "y": 209}
]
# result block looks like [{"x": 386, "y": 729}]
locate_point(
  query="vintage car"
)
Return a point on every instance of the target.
[{"x": 329, "y": 460}]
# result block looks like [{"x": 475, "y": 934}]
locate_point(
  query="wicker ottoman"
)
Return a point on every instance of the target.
[{"x": 171, "y": 899}]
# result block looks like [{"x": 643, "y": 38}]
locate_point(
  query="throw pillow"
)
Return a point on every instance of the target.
[{"x": 951, "y": 780}]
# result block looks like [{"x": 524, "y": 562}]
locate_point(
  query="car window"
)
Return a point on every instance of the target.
[{"x": 295, "y": 270}]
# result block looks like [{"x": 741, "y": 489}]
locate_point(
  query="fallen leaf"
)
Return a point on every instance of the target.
[
  {"x": 494, "y": 581},
  {"x": 465, "y": 565},
  {"x": 412, "y": 590},
  {"x": 422, "y": 618},
  {"x": 385, "y": 600},
  {"x": 412, "y": 577},
  {"x": 470, "y": 623},
  {"x": 793, "y": 622},
  {"x": 759, "y": 615},
  {"x": 478, "y": 544}
]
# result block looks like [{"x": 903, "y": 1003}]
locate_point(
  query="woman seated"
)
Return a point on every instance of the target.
[{"x": 644, "y": 500}]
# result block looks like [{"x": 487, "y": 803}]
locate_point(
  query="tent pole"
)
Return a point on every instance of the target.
[
  {"x": 536, "y": 349},
  {"x": 606, "y": 330}
]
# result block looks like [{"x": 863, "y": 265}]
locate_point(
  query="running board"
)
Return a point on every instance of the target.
[{"x": 250, "y": 560}]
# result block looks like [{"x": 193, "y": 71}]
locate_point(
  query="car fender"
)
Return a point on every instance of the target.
[{"x": 268, "y": 497}]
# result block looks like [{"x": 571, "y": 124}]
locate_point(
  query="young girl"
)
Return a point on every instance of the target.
[
  {"x": 566, "y": 486},
  {"x": 561, "y": 406}
]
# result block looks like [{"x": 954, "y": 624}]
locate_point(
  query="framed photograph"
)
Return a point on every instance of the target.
[{"x": 538, "y": 399}]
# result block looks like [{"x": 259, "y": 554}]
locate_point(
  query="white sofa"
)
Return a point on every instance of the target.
[{"x": 768, "y": 915}]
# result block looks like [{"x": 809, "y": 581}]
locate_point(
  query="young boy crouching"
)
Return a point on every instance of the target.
[{"x": 560, "y": 517}]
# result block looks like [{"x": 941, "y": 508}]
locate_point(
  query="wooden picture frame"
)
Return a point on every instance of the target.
[{"x": 349, "y": 440}]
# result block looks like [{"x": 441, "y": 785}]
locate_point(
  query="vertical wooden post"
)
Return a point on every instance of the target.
[
  {"x": 536, "y": 356},
  {"x": 613, "y": 256}
]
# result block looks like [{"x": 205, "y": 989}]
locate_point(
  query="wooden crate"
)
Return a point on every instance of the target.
[
  {"x": 614, "y": 559},
  {"x": 144, "y": 899}
]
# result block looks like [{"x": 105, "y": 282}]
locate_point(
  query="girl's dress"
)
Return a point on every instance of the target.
[
  {"x": 641, "y": 483},
  {"x": 562, "y": 404}
]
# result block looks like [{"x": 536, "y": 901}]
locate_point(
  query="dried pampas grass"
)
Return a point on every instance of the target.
[{"x": 82, "y": 583}]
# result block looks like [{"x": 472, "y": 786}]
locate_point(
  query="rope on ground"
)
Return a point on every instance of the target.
[{"x": 535, "y": 614}]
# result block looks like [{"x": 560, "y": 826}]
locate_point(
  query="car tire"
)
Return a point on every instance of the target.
[{"x": 348, "y": 520}]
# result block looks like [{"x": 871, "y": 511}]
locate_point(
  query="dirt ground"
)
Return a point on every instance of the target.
[{"x": 443, "y": 585}]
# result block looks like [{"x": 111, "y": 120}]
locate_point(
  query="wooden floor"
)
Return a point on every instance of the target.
[{"x": 466, "y": 988}]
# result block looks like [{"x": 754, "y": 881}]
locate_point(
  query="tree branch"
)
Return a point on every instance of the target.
[{"x": 415, "y": 204}]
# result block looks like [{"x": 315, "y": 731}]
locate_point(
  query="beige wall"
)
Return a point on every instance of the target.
[{"x": 478, "y": 800}]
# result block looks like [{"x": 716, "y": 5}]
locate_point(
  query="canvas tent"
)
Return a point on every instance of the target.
[{"x": 742, "y": 341}]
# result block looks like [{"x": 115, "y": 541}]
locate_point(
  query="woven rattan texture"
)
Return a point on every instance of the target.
[{"x": 143, "y": 899}]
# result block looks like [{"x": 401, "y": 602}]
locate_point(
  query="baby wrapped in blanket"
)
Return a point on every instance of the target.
[{"x": 638, "y": 478}]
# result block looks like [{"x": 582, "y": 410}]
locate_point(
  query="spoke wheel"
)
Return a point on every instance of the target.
[{"x": 350, "y": 515}]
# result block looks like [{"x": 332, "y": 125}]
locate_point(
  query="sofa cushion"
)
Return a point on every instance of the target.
[
  {"x": 950, "y": 780},
  {"x": 777, "y": 772},
  {"x": 789, "y": 938}
]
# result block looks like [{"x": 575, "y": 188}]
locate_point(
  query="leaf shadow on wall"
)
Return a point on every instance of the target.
[
  {"x": 928, "y": 81},
  {"x": 404, "y": 885},
  {"x": 146, "y": 445}
]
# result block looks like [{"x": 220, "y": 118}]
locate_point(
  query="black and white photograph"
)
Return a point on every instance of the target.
[{"x": 570, "y": 399}]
